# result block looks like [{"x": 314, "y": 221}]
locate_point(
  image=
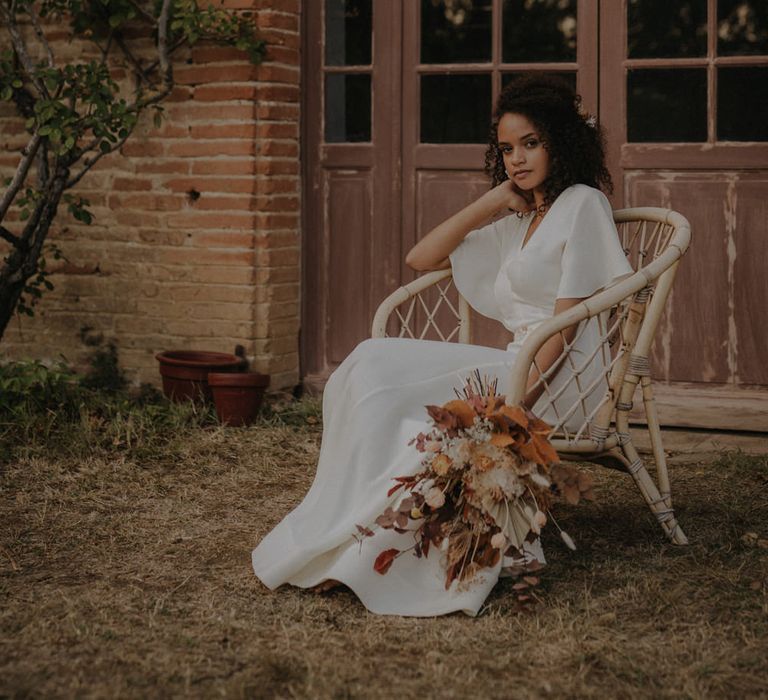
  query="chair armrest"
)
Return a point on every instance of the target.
[
  {"x": 403, "y": 294},
  {"x": 590, "y": 307}
]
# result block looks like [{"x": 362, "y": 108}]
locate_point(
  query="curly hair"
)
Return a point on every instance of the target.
[{"x": 576, "y": 146}]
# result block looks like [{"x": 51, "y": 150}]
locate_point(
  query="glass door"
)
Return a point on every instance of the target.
[
  {"x": 457, "y": 55},
  {"x": 684, "y": 93}
]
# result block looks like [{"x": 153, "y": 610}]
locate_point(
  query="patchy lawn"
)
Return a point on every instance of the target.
[{"x": 125, "y": 572}]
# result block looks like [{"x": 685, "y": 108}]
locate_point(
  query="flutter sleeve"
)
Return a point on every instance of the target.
[
  {"x": 592, "y": 255},
  {"x": 476, "y": 263}
]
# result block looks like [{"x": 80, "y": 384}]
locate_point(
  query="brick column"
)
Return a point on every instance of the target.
[{"x": 195, "y": 240}]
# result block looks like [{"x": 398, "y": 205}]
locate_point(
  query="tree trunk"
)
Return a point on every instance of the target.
[{"x": 21, "y": 264}]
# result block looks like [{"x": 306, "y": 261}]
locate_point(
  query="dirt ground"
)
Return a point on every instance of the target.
[{"x": 127, "y": 577}]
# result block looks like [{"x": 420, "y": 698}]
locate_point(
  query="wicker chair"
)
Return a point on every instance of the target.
[{"x": 627, "y": 313}]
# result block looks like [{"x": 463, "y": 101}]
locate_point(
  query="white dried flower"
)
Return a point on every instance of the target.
[
  {"x": 435, "y": 497},
  {"x": 441, "y": 464},
  {"x": 498, "y": 541},
  {"x": 540, "y": 480},
  {"x": 567, "y": 539}
]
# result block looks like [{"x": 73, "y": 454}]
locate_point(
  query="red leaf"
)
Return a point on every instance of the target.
[
  {"x": 384, "y": 560},
  {"x": 365, "y": 531},
  {"x": 394, "y": 488}
]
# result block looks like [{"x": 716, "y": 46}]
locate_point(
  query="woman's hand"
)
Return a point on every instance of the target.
[
  {"x": 432, "y": 251},
  {"x": 514, "y": 198}
]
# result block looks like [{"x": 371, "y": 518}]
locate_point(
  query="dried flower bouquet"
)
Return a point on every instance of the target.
[{"x": 488, "y": 478}]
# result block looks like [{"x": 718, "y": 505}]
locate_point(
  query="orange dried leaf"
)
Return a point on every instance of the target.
[
  {"x": 515, "y": 414},
  {"x": 384, "y": 560},
  {"x": 501, "y": 439},
  {"x": 462, "y": 410}
]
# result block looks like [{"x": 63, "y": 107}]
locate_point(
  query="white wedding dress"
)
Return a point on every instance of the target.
[{"x": 373, "y": 405}]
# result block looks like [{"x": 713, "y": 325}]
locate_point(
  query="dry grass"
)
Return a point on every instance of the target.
[{"x": 126, "y": 573}]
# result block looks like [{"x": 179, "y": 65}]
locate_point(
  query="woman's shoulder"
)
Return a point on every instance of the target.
[{"x": 579, "y": 193}]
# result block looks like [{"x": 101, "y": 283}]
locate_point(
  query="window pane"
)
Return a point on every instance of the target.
[
  {"x": 568, "y": 76},
  {"x": 455, "y": 31},
  {"x": 742, "y": 104},
  {"x": 347, "y": 107},
  {"x": 667, "y": 28},
  {"x": 667, "y": 105},
  {"x": 348, "y": 32},
  {"x": 742, "y": 27},
  {"x": 455, "y": 108},
  {"x": 538, "y": 30}
]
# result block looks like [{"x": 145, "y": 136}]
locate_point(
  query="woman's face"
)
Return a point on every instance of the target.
[{"x": 525, "y": 158}]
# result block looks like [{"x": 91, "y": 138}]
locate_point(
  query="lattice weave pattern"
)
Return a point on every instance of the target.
[{"x": 433, "y": 311}]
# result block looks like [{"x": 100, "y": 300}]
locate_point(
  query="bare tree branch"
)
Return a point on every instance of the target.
[
  {"x": 41, "y": 38},
  {"x": 46, "y": 204},
  {"x": 43, "y": 172},
  {"x": 13, "y": 239},
  {"x": 140, "y": 71},
  {"x": 9, "y": 17},
  {"x": 88, "y": 163},
  {"x": 173, "y": 47},
  {"x": 146, "y": 15},
  {"x": 27, "y": 156},
  {"x": 162, "y": 45}
]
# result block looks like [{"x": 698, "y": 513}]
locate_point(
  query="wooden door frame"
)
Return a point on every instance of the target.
[
  {"x": 384, "y": 250},
  {"x": 418, "y": 155},
  {"x": 614, "y": 64}
]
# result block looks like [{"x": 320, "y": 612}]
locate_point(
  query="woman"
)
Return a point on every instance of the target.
[{"x": 559, "y": 246}]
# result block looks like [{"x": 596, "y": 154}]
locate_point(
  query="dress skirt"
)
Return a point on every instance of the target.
[{"x": 373, "y": 405}]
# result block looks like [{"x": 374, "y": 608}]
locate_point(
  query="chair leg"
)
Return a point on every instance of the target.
[
  {"x": 654, "y": 432},
  {"x": 663, "y": 512}
]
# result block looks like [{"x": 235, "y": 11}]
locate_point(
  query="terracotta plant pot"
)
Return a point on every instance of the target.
[
  {"x": 238, "y": 397},
  {"x": 185, "y": 372}
]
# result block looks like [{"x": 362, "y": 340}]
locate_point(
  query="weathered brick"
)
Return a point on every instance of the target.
[
  {"x": 175, "y": 167},
  {"x": 223, "y": 93},
  {"x": 283, "y": 54},
  {"x": 198, "y": 148},
  {"x": 223, "y": 131},
  {"x": 211, "y": 184},
  {"x": 232, "y": 72},
  {"x": 277, "y": 92},
  {"x": 271, "y": 185},
  {"x": 279, "y": 148},
  {"x": 146, "y": 202},
  {"x": 277, "y": 130},
  {"x": 225, "y": 166},
  {"x": 222, "y": 203},
  {"x": 278, "y": 20},
  {"x": 274, "y": 166},
  {"x": 220, "y": 239},
  {"x": 213, "y": 221},
  {"x": 143, "y": 149},
  {"x": 191, "y": 111},
  {"x": 273, "y": 73},
  {"x": 131, "y": 183}
]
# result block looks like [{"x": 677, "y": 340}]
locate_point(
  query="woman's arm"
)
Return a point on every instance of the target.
[
  {"x": 549, "y": 354},
  {"x": 432, "y": 251}
]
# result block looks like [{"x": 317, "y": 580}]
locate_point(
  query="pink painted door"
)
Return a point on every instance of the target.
[
  {"x": 398, "y": 97},
  {"x": 684, "y": 94}
]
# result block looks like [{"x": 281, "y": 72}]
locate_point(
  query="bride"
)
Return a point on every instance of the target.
[{"x": 558, "y": 246}]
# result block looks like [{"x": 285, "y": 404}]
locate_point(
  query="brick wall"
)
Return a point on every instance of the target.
[{"x": 195, "y": 239}]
